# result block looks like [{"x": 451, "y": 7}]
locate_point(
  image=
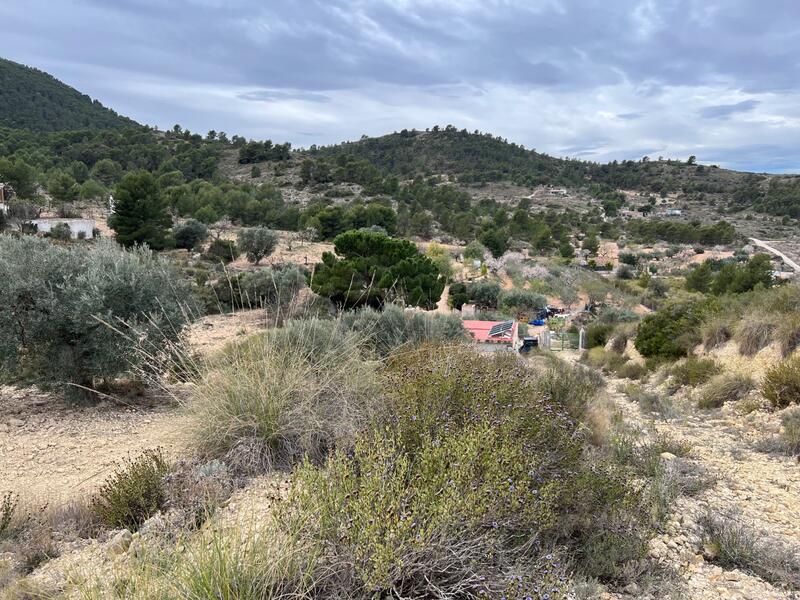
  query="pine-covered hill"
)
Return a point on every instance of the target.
[
  {"x": 475, "y": 157},
  {"x": 31, "y": 99}
]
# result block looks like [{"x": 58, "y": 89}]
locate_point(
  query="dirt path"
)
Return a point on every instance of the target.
[
  {"x": 776, "y": 252},
  {"x": 52, "y": 451},
  {"x": 760, "y": 491}
]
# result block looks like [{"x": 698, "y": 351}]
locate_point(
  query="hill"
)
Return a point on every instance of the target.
[
  {"x": 480, "y": 158},
  {"x": 32, "y": 99}
]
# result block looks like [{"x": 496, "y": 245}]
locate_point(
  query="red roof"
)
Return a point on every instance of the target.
[{"x": 479, "y": 331}]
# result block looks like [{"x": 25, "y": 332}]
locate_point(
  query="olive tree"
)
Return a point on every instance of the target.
[
  {"x": 257, "y": 243},
  {"x": 74, "y": 315}
]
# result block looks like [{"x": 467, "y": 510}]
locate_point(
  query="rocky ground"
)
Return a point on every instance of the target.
[
  {"x": 52, "y": 450},
  {"x": 757, "y": 490}
]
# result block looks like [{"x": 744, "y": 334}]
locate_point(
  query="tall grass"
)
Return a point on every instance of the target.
[
  {"x": 284, "y": 394},
  {"x": 725, "y": 387}
]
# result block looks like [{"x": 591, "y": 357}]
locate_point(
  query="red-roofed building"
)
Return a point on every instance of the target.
[{"x": 494, "y": 335}]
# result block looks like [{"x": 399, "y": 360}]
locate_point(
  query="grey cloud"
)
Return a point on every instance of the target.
[
  {"x": 278, "y": 95},
  {"x": 723, "y": 111}
]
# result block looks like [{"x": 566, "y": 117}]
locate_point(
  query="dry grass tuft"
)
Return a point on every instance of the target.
[{"x": 756, "y": 331}]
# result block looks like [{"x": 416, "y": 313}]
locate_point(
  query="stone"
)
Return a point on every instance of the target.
[
  {"x": 13, "y": 422},
  {"x": 668, "y": 456},
  {"x": 120, "y": 543}
]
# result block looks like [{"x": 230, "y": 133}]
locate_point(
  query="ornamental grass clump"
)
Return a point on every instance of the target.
[{"x": 282, "y": 395}]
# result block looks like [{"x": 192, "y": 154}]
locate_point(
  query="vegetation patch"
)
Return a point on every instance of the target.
[
  {"x": 781, "y": 385},
  {"x": 726, "y": 387},
  {"x": 134, "y": 493},
  {"x": 735, "y": 545},
  {"x": 694, "y": 371}
]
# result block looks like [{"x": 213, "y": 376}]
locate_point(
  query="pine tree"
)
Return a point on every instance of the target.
[{"x": 140, "y": 215}]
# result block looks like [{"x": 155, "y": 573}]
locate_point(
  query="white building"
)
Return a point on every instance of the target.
[{"x": 78, "y": 227}]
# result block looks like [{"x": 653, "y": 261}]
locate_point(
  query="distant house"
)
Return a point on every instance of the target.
[
  {"x": 674, "y": 212},
  {"x": 80, "y": 228},
  {"x": 494, "y": 335}
]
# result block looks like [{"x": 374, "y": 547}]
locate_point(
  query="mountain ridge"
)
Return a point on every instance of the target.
[{"x": 35, "y": 100}]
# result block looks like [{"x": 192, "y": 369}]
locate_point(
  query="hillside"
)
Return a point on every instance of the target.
[
  {"x": 481, "y": 158},
  {"x": 32, "y": 99}
]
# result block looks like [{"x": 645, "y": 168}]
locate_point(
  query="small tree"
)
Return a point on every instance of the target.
[
  {"x": 73, "y": 315},
  {"x": 190, "y": 234},
  {"x": 475, "y": 251},
  {"x": 140, "y": 215},
  {"x": 257, "y": 243}
]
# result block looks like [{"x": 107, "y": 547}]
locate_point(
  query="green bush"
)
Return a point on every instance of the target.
[
  {"x": 694, "y": 371},
  {"x": 788, "y": 334},
  {"x": 134, "y": 493},
  {"x": 521, "y": 301},
  {"x": 257, "y": 243},
  {"x": 371, "y": 268},
  {"x": 384, "y": 331},
  {"x": 189, "y": 235},
  {"x": 73, "y": 315},
  {"x": 597, "y": 334},
  {"x": 468, "y": 460},
  {"x": 61, "y": 232},
  {"x": 282, "y": 395},
  {"x": 726, "y": 387},
  {"x": 484, "y": 294},
  {"x": 781, "y": 385},
  {"x": 670, "y": 332},
  {"x": 632, "y": 370},
  {"x": 222, "y": 250}
]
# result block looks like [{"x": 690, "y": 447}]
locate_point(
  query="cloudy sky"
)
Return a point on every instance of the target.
[{"x": 595, "y": 79}]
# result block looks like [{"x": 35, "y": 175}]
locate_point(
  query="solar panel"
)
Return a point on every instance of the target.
[{"x": 501, "y": 328}]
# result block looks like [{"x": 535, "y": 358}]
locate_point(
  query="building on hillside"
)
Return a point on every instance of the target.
[
  {"x": 673, "y": 212},
  {"x": 80, "y": 228},
  {"x": 494, "y": 335}
]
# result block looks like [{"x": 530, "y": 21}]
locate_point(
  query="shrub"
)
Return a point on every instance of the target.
[
  {"x": 569, "y": 388},
  {"x": 257, "y": 243},
  {"x": 61, "y": 232},
  {"x": 649, "y": 401},
  {"x": 8, "y": 507},
  {"x": 694, "y": 371},
  {"x": 524, "y": 301},
  {"x": 726, "y": 387},
  {"x": 285, "y": 394},
  {"x": 669, "y": 332},
  {"x": 76, "y": 314},
  {"x": 632, "y": 370},
  {"x": 597, "y": 334},
  {"x": 735, "y": 545},
  {"x": 134, "y": 493},
  {"x": 755, "y": 332},
  {"x": 190, "y": 234},
  {"x": 275, "y": 289},
  {"x": 384, "y": 331},
  {"x": 790, "y": 420},
  {"x": 222, "y": 250},
  {"x": 788, "y": 334},
  {"x": 453, "y": 527},
  {"x": 781, "y": 385},
  {"x": 715, "y": 332},
  {"x": 484, "y": 294}
]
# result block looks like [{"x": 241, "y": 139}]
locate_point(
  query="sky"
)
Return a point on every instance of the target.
[{"x": 592, "y": 79}]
